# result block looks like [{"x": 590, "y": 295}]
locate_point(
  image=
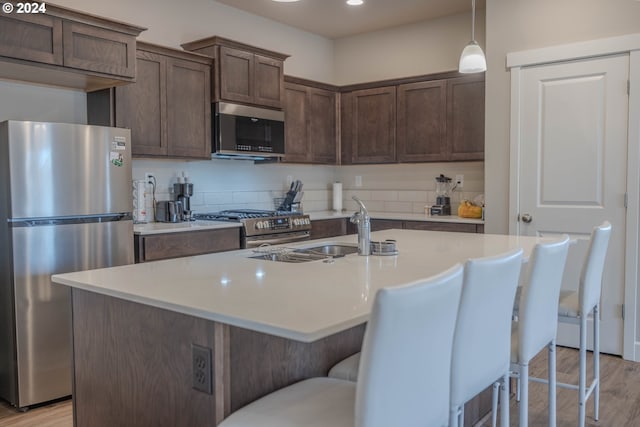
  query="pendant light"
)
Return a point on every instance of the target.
[{"x": 472, "y": 59}]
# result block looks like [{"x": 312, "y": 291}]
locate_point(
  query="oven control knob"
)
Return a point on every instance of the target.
[
  {"x": 296, "y": 222},
  {"x": 307, "y": 221}
]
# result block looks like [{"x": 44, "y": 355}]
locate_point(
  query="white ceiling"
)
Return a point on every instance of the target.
[{"x": 335, "y": 19}]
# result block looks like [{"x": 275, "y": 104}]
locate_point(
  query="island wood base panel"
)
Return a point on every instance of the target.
[{"x": 132, "y": 365}]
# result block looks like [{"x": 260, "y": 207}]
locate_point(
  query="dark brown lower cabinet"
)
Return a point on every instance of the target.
[
  {"x": 326, "y": 228},
  {"x": 388, "y": 224},
  {"x": 152, "y": 247},
  {"x": 444, "y": 226}
]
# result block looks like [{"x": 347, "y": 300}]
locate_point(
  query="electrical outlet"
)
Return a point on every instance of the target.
[
  {"x": 201, "y": 368},
  {"x": 460, "y": 181},
  {"x": 147, "y": 177},
  {"x": 358, "y": 181}
]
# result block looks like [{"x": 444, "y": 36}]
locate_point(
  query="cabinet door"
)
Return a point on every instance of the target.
[
  {"x": 385, "y": 224},
  {"x": 465, "y": 118},
  {"x": 31, "y": 37},
  {"x": 141, "y": 106},
  {"x": 374, "y": 125},
  {"x": 96, "y": 49},
  {"x": 268, "y": 82},
  {"x": 236, "y": 75},
  {"x": 175, "y": 245},
  {"x": 321, "y": 121},
  {"x": 188, "y": 109},
  {"x": 295, "y": 113},
  {"x": 346, "y": 128},
  {"x": 421, "y": 129},
  {"x": 323, "y": 229}
]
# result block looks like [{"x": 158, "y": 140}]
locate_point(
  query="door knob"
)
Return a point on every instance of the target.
[{"x": 526, "y": 218}]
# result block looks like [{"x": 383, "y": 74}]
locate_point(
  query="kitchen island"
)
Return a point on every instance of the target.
[{"x": 266, "y": 324}]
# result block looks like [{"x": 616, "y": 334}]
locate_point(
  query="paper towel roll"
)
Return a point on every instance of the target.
[
  {"x": 337, "y": 196},
  {"x": 140, "y": 201}
]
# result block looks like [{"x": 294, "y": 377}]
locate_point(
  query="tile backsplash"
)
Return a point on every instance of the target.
[{"x": 226, "y": 184}]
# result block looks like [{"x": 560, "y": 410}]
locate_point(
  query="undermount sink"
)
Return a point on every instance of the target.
[
  {"x": 324, "y": 252},
  {"x": 333, "y": 250}
]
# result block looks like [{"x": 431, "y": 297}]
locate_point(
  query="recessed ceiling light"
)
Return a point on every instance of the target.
[
  {"x": 355, "y": 2},
  {"x": 285, "y": 1}
]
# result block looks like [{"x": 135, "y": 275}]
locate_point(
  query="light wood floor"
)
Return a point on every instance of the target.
[
  {"x": 619, "y": 400},
  {"x": 619, "y": 393}
]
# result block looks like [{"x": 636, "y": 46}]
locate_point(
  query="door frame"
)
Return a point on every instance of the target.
[{"x": 592, "y": 49}]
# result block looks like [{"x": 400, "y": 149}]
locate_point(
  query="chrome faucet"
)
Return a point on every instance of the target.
[{"x": 362, "y": 220}]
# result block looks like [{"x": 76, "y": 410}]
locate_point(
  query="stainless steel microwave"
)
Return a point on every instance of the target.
[{"x": 244, "y": 132}]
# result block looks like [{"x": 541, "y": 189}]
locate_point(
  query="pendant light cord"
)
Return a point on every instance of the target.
[{"x": 473, "y": 20}]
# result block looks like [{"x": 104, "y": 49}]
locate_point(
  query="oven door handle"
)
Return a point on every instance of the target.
[{"x": 276, "y": 240}]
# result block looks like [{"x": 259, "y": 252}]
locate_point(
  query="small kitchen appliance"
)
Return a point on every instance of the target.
[
  {"x": 183, "y": 193},
  {"x": 263, "y": 226},
  {"x": 443, "y": 196},
  {"x": 169, "y": 211}
]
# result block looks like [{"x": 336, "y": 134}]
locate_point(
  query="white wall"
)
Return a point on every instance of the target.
[
  {"x": 20, "y": 101},
  {"x": 407, "y": 187},
  {"x": 226, "y": 184},
  {"x": 514, "y": 25},
  {"x": 423, "y": 48}
]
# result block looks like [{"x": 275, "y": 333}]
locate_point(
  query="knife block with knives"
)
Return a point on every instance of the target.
[{"x": 293, "y": 196}]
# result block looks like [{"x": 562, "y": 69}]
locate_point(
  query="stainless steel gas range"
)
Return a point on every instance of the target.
[{"x": 265, "y": 227}]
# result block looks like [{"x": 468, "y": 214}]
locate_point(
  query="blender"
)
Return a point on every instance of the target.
[{"x": 443, "y": 196}]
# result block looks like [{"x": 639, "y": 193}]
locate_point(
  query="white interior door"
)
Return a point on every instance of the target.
[{"x": 573, "y": 168}]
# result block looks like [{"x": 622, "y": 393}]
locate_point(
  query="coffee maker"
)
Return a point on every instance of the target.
[
  {"x": 443, "y": 196},
  {"x": 183, "y": 192}
]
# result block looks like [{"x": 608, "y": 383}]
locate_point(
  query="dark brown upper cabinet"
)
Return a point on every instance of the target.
[
  {"x": 373, "y": 125},
  {"x": 168, "y": 109},
  {"x": 242, "y": 73},
  {"x": 310, "y": 117},
  {"x": 465, "y": 118},
  {"x": 64, "y": 47},
  {"x": 419, "y": 119},
  {"x": 421, "y": 132}
]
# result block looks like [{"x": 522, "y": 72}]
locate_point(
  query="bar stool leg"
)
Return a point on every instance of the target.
[
  {"x": 494, "y": 404},
  {"x": 582, "y": 381},
  {"x": 552, "y": 383},
  {"x": 596, "y": 361},
  {"x": 524, "y": 395},
  {"x": 504, "y": 401}
]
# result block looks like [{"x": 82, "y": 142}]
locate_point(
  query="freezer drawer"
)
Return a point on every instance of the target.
[{"x": 43, "y": 309}]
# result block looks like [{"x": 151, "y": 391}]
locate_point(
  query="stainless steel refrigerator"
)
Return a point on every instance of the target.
[{"x": 65, "y": 205}]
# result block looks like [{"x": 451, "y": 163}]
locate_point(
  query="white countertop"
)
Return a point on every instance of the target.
[
  {"x": 397, "y": 216},
  {"x": 176, "y": 227},
  {"x": 303, "y": 302}
]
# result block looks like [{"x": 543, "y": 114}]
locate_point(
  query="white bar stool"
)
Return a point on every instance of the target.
[
  {"x": 403, "y": 381},
  {"x": 482, "y": 341},
  {"x": 537, "y": 323}
]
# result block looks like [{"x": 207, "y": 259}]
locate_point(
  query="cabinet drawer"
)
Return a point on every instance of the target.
[
  {"x": 95, "y": 49},
  {"x": 440, "y": 226},
  {"x": 175, "y": 245},
  {"x": 31, "y": 37}
]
